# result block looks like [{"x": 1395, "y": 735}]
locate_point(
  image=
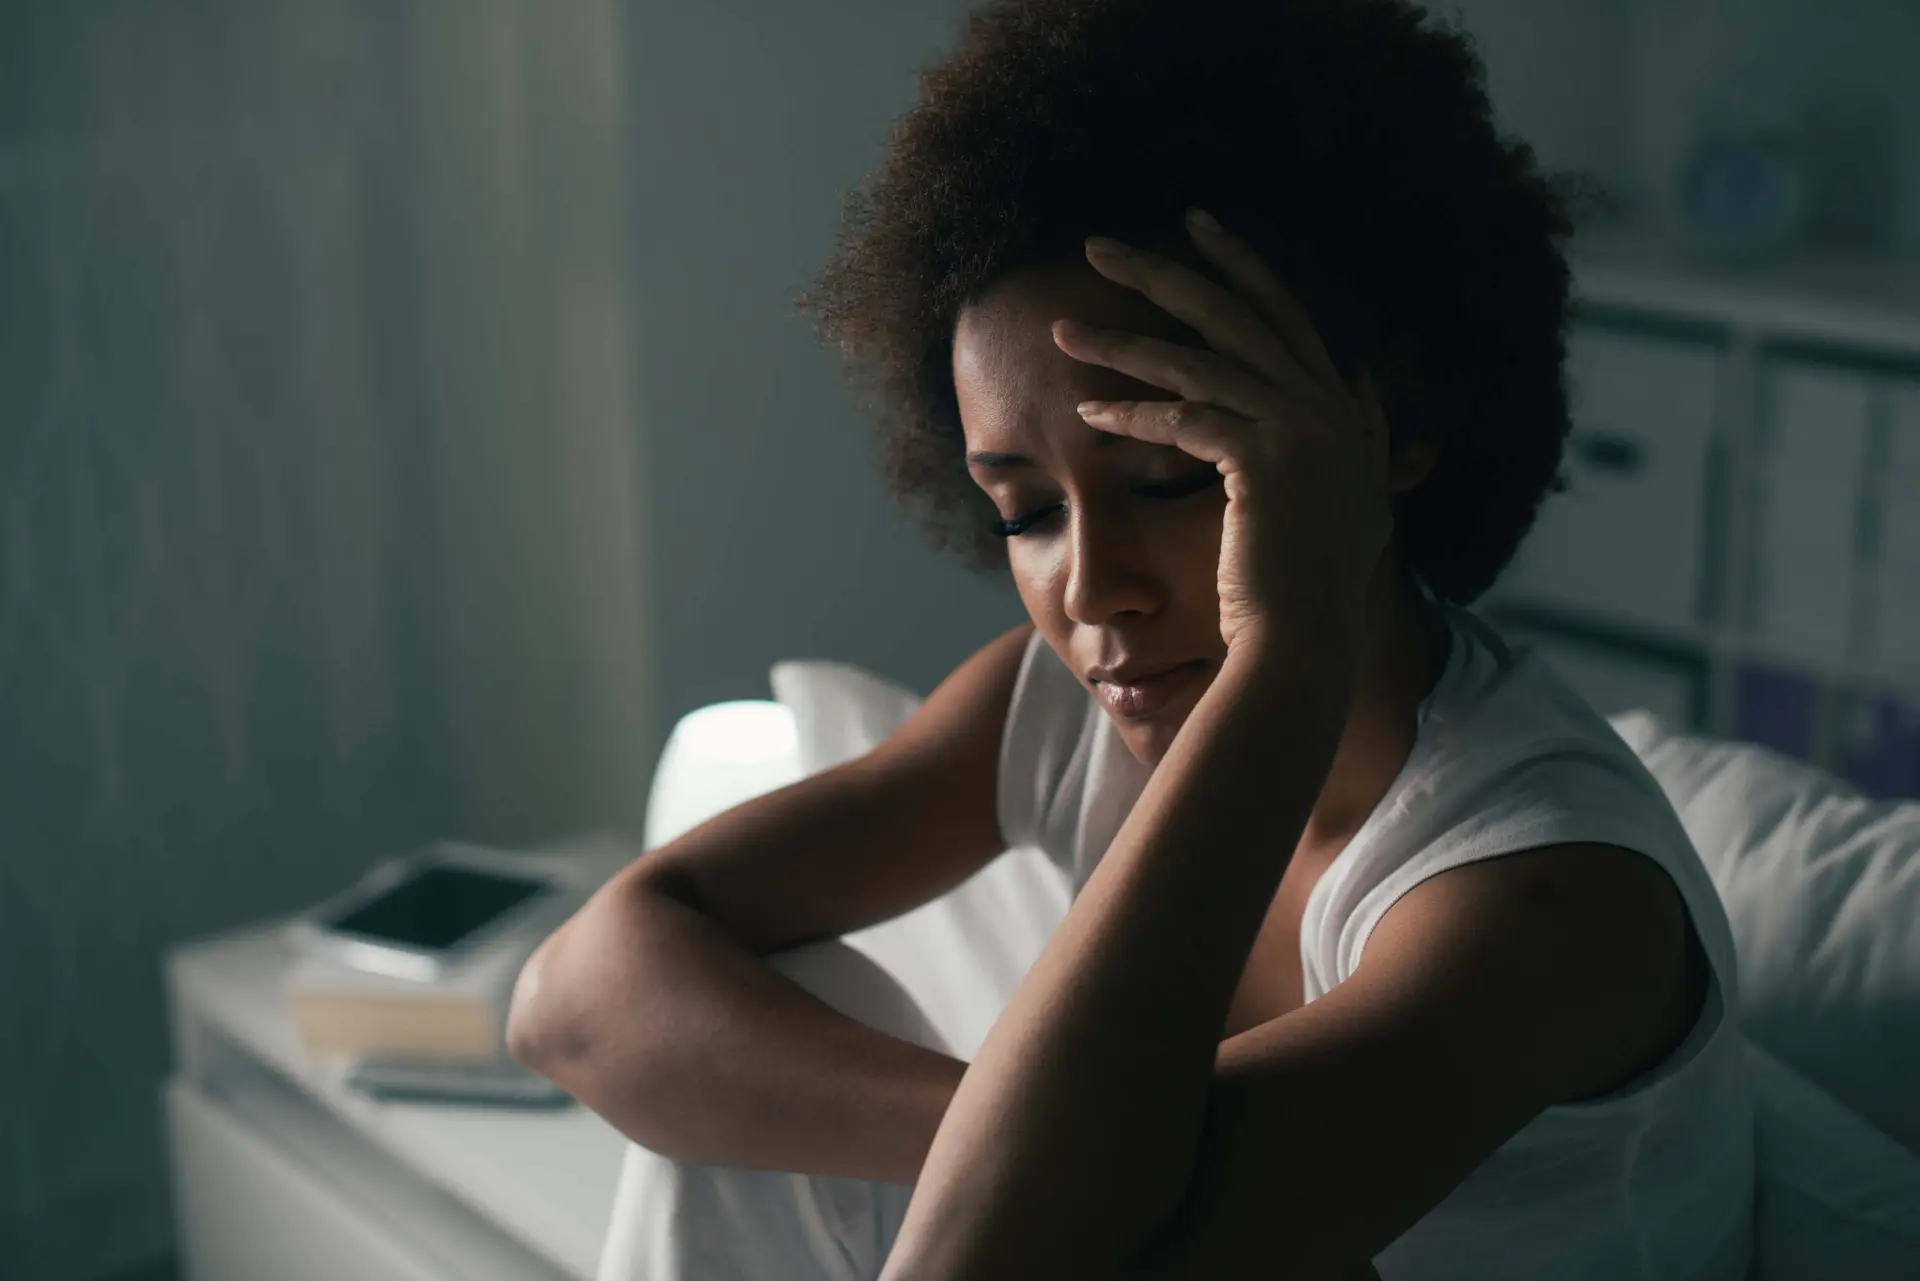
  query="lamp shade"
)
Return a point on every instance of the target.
[{"x": 717, "y": 757}]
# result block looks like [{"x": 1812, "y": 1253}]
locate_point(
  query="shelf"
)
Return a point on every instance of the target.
[
  {"x": 266, "y": 1189},
  {"x": 1862, "y": 302},
  {"x": 1672, "y": 643},
  {"x": 1705, "y": 645}
]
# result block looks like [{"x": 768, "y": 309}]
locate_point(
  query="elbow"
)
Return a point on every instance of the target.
[
  {"x": 538, "y": 1033},
  {"x": 527, "y": 1049},
  {"x": 567, "y": 994}
]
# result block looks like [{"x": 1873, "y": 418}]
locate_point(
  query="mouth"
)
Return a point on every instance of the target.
[{"x": 1138, "y": 696}]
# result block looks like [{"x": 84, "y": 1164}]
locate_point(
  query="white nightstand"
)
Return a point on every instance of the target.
[{"x": 282, "y": 1174}]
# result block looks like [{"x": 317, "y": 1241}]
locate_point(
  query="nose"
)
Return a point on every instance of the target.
[{"x": 1109, "y": 571}]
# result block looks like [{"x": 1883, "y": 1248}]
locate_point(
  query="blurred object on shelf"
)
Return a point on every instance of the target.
[
  {"x": 1625, "y": 540},
  {"x": 1896, "y": 498},
  {"x": 1740, "y": 191},
  {"x": 1879, "y": 747},
  {"x": 1741, "y": 194},
  {"x": 1778, "y": 708},
  {"x": 1813, "y": 427}
]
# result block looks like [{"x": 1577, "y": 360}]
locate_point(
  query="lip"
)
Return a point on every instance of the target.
[{"x": 1138, "y": 693}]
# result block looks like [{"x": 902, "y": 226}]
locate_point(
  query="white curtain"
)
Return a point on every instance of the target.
[{"x": 531, "y": 360}]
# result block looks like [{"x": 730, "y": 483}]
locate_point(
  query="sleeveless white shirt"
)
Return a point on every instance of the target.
[{"x": 1653, "y": 1182}]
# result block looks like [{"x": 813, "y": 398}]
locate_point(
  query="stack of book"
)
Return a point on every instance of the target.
[
  {"x": 404, "y": 981},
  {"x": 341, "y": 1011}
]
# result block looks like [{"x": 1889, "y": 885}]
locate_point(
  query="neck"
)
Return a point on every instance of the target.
[{"x": 1405, "y": 652}]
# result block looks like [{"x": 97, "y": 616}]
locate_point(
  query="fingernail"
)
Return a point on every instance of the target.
[
  {"x": 1101, "y": 247},
  {"x": 1090, "y": 408},
  {"x": 1201, "y": 220}
]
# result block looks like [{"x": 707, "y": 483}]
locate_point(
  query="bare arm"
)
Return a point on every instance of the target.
[
  {"x": 1077, "y": 1131},
  {"x": 654, "y": 1007}
]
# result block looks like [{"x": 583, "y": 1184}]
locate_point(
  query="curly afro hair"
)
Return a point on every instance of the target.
[{"x": 1350, "y": 141}]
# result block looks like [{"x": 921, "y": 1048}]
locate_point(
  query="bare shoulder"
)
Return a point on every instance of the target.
[
  {"x": 1590, "y": 944},
  {"x": 1486, "y": 994}
]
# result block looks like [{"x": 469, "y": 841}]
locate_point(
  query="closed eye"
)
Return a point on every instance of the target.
[
  {"x": 1020, "y": 525},
  {"x": 1206, "y": 478}
]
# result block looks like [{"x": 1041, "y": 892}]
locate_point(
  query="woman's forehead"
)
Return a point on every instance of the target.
[
  {"x": 1005, "y": 362},
  {"x": 1021, "y": 305}
]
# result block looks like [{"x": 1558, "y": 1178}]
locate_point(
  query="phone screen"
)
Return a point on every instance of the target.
[{"x": 438, "y": 906}]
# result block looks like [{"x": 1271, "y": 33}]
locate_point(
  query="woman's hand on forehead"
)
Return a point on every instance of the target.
[{"x": 1305, "y": 457}]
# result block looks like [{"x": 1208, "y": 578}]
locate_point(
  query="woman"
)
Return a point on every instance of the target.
[{"x": 1386, "y": 956}]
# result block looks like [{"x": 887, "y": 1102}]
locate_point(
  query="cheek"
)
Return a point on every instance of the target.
[
  {"x": 1040, "y": 577},
  {"x": 1195, "y": 544}
]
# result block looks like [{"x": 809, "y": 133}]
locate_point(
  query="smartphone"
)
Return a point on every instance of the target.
[{"x": 419, "y": 916}]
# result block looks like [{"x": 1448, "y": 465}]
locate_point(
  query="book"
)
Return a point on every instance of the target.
[{"x": 339, "y": 1011}]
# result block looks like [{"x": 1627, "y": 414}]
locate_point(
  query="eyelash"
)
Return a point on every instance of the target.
[{"x": 1204, "y": 479}]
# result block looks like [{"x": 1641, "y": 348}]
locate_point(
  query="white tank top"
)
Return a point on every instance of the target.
[{"x": 1651, "y": 1183}]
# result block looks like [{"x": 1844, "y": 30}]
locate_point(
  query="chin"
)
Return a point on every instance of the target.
[
  {"x": 1148, "y": 747},
  {"x": 1149, "y": 740}
]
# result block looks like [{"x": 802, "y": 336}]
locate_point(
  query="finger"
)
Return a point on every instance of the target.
[
  {"x": 1243, "y": 265},
  {"x": 1207, "y": 432},
  {"x": 1187, "y": 372},
  {"x": 1231, "y": 325}
]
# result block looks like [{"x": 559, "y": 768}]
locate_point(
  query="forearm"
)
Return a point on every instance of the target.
[
  {"x": 692, "y": 1046},
  {"x": 1077, "y": 1126}
]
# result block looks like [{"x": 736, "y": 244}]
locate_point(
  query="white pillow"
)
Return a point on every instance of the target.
[
  {"x": 961, "y": 955},
  {"x": 1835, "y": 1199},
  {"x": 840, "y": 711},
  {"x": 1822, "y": 886}
]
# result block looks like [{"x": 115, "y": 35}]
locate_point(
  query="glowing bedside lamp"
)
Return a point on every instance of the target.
[{"x": 717, "y": 757}]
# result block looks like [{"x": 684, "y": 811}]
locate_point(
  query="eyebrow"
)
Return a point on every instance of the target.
[{"x": 994, "y": 461}]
